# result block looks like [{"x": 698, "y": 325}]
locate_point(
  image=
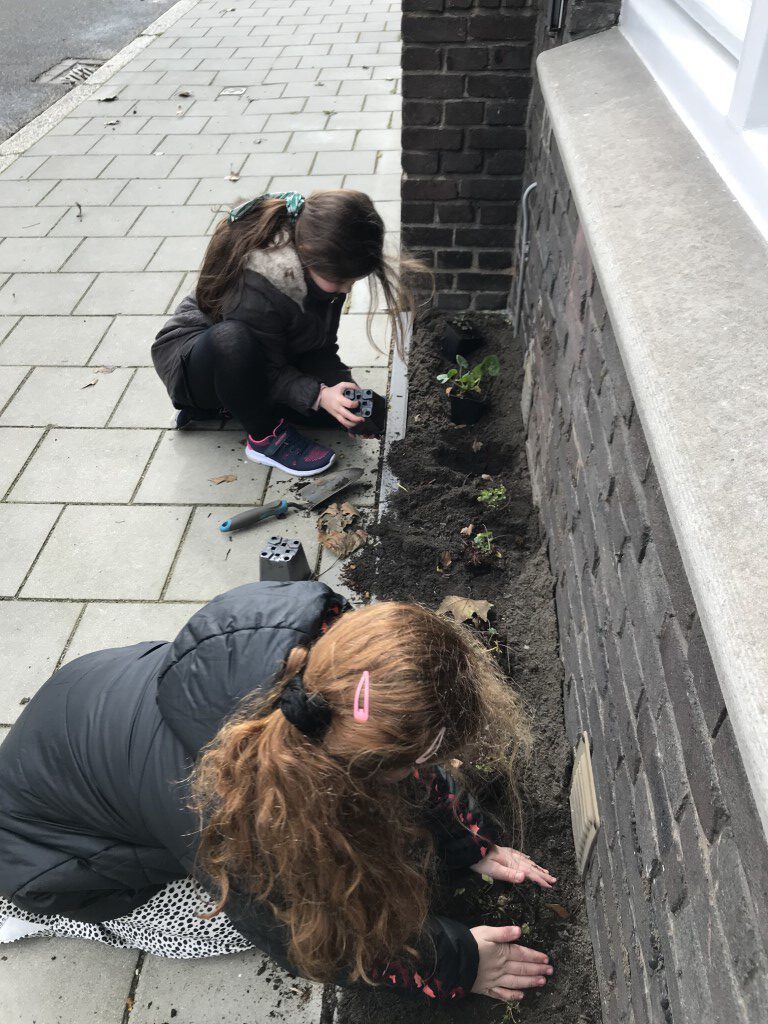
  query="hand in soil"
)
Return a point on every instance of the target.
[
  {"x": 506, "y": 968},
  {"x": 508, "y": 865},
  {"x": 332, "y": 400}
]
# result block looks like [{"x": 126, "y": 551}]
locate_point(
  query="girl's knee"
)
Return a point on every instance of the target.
[{"x": 230, "y": 339}]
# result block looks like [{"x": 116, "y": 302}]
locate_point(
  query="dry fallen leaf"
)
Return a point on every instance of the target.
[
  {"x": 105, "y": 369},
  {"x": 185, "y": 94},
  {"x": 233, "y": 175},
  {"x": 107, "y": 99},
  {"x": 464, "y": 609},
  {"x": 466, "y": 531},
  {"x": 179, "y": 111},
  {"x": 476, "y": 446},
  {"x": 89, "y": 384},
  {"x": 337, "y": 529},
  {"x": 110, "y": 124},
  {"x": 485, "y": 476},
  {"x": 228, "y": 478},
  {"x": 446, "y": 559},
  {"x": 558, "y": 909}
]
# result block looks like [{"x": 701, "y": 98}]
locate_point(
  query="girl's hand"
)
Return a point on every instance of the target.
[
  {"x": 508, "y": 865},
  {"x": 334, "y": 402},
  {"x": 505, "y": 968}
]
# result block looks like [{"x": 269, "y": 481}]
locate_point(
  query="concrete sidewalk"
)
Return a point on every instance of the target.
[{"x": 108, "y": 518}]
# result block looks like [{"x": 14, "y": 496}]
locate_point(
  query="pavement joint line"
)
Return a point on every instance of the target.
[
  {"x": 116, "y": 406},
  {"x": 31, "y": 133},
  {"x": 16, "y": 390},
  {"x": 177, "y": 552},
  {"x": 140, "y": 481},
  {"x": 70, "y": 638},
  {"x": 40, "y": 550},
  {"x": 4, "y": 497},
  {"x": 135, "y": 979}
]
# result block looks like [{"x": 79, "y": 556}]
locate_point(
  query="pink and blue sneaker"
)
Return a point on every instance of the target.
[{"x": 286, "y": 449}]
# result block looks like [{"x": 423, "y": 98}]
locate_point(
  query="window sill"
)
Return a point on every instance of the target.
[{"x": 685, "y": 277}]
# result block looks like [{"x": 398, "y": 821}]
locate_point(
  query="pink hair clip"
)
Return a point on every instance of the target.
[{"x": 364, "y": 686}]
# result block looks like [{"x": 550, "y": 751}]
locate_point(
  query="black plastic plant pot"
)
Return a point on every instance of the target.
[
  {"x": 458, "y": 341},
  {"x": 466, "y": 410}
]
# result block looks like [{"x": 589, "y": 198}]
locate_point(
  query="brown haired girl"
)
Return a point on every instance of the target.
[
  {"x": 258, "y": 338},
  {"x": 310, "y": 738}
]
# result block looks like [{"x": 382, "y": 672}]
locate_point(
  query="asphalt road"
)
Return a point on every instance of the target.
[{"x": 37, "y": 34}]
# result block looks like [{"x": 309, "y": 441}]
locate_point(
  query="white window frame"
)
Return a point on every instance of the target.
[{"x": 712, "y": 63}]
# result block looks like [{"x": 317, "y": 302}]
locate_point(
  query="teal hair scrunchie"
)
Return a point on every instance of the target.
[{"x": 294, "y": 203}]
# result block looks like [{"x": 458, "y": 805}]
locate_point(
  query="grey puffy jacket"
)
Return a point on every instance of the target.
[{"x": 94, "y": 815}]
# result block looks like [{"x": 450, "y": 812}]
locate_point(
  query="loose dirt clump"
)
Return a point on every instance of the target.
[{"x": 426, "y": 552}]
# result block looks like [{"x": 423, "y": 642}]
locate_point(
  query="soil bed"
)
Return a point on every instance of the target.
[{"x": 422, "y": 556}]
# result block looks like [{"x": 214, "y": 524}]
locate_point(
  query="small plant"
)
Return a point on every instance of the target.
[
  {"x": 465, "y": 383},
  {"x": 493, "y": 497},
  {"x": 483, "y": 541}
]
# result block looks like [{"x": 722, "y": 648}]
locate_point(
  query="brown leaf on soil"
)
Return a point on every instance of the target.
[
  {"x": 558, "y": 909},
  {"x": 485, "y": 476},
  {"x": 464, "y": 609},
  {"x": 338, "y": 530},
  {"x": 467, "y": 530},
  {"x": 476, "y": 446},
  {"x": 228, "y": 478},
  {"x": 446, "y": 559}
]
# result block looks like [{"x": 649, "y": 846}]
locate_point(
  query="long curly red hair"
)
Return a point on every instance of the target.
[{"x": 323, "y": 832}]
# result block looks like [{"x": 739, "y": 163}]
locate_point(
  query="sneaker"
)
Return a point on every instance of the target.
[{"x": 285, "y": 448}]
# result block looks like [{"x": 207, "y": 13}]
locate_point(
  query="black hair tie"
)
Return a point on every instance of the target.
[{"x": 310, "y": 713}]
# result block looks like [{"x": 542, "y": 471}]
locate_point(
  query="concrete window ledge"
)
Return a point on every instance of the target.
[{"x": 685, "y": 277}]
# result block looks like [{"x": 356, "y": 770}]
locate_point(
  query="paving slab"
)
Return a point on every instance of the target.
[
  {"x": 128, "y": 341},
  {"x": 16, "y": 445},
  {"x": 227, "y": 990},
  {"x": 53, "y": 340},
  {"x": 86, "y": 466},
  {"x": 130, "y": 293},
  {"x": 64, "y": 981},
  {"x": 32, "y": 638},
  {"x": 211, "y": 562},
  {"x": 10, "y": 378},
  {"x": 24, "y": 529},
  {"x": 112, "y": 254},
  {"x": 108, "y": 552},
  {"x": 145, "y": 403},
  {"x": 65, "y": 396},
  {"x": 43, "y": 293},
  {"x": 108, "y": 625},
  {"x": 34, "y": 254},
  {"x": 185, "y": 462}
]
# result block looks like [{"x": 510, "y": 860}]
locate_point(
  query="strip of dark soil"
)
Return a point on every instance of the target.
[{"x": 422, "y": 556}]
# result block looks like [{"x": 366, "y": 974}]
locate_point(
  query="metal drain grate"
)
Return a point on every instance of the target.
[{"x": 70, "y": 71}]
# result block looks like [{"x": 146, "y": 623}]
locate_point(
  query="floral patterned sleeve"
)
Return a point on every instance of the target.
[
  {"x": 462, "y": 834},
  {"x": 447, "y": 967}
]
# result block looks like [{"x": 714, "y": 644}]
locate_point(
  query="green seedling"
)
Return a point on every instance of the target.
[
  {"x": 493, "y": 497},
  {"x": 526, "y": 930},
  {"x": 483, "y": 541},
  {"x": 464, "y": 382},
  {"x": 510, "y": 1014}
]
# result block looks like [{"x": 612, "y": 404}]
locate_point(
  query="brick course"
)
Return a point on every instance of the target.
[
  {"x": 466, "y": 82},
  {"x": 678, "y": 885}
]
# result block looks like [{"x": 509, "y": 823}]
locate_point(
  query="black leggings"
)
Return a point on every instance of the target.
[{"x": 226, "y": 369}]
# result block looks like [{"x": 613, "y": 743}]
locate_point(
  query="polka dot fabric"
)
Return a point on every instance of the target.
[{"x": 168, "y": 925}]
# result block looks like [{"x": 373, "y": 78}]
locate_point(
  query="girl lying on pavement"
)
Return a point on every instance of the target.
[
  {"x": 258, "y": 337},
  {"x": 273, "y": 778}
]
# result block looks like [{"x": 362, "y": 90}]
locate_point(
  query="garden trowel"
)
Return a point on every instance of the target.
[{"x": 311, "y": 496}]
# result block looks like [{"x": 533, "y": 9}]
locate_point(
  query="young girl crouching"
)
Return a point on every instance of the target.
[
  {"x": 259, "y": 337},
  {"x": 286, "y": 752}
]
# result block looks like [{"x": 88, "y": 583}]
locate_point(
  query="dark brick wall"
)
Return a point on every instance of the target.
[
  {"x": 678, "y": 887},
  {"x": 466, "y": 83}
]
